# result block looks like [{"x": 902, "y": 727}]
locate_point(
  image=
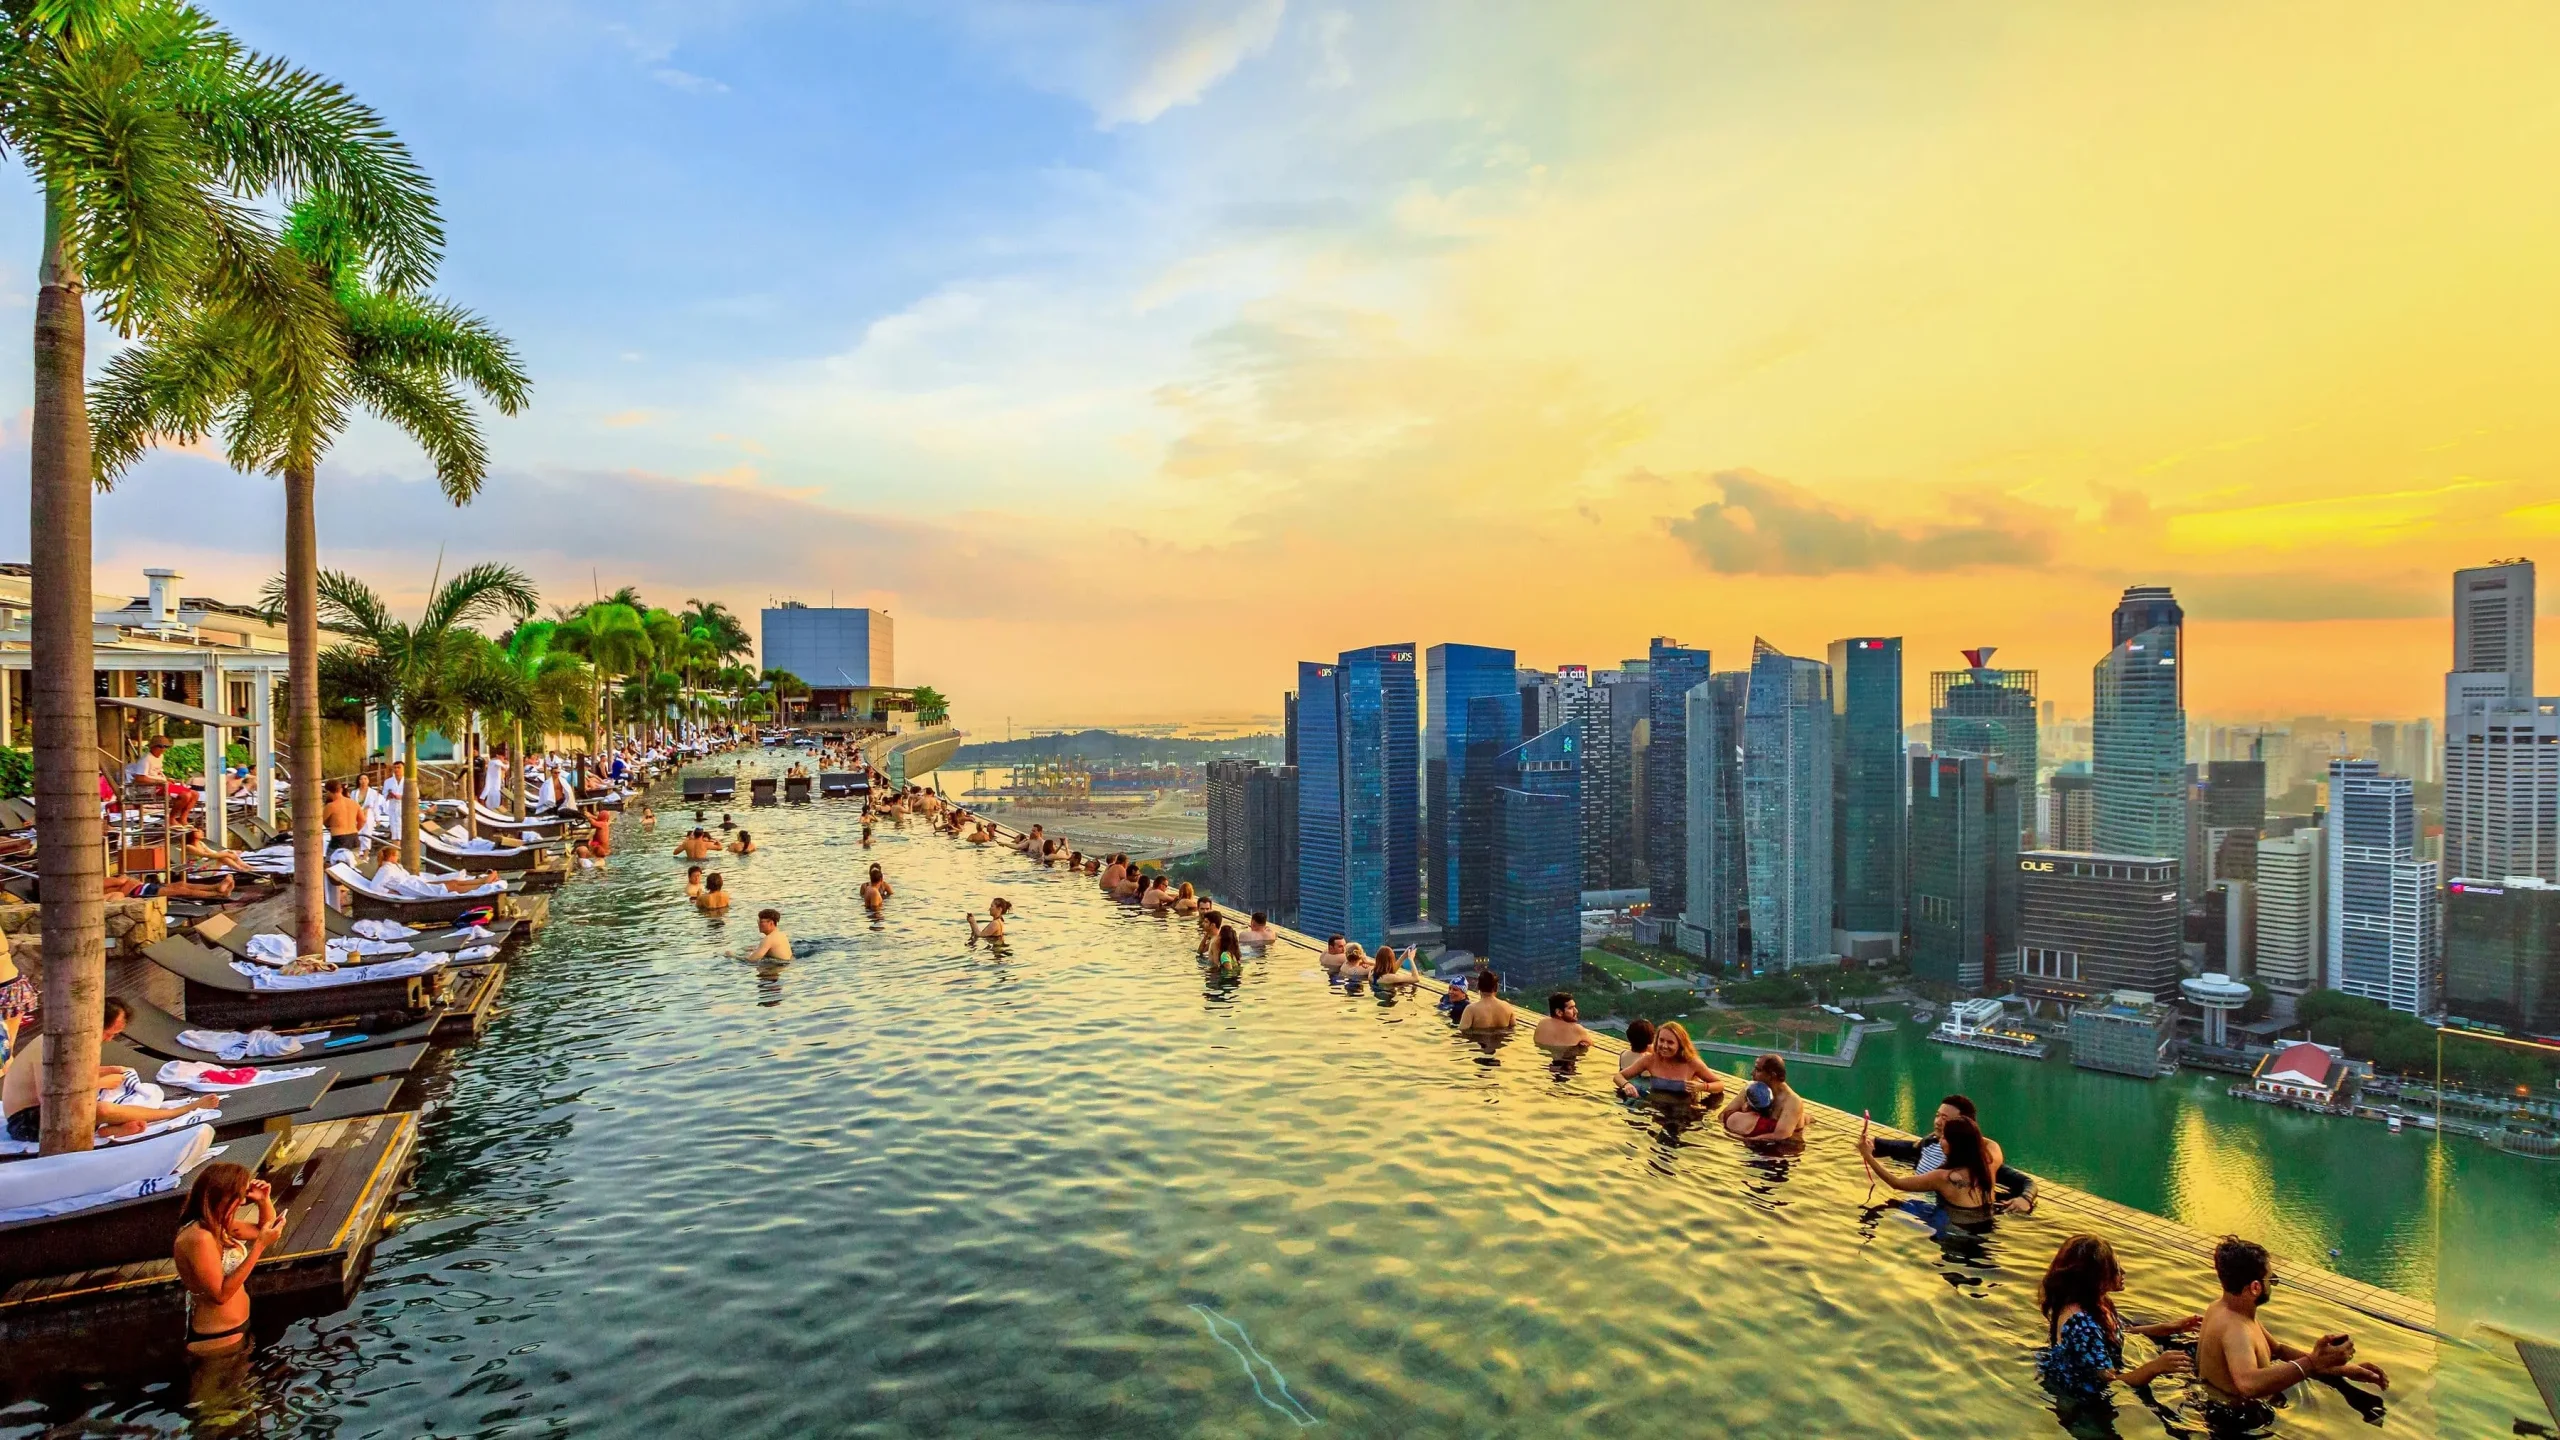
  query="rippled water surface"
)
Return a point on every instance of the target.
[{"x": 908, "y": 1186}]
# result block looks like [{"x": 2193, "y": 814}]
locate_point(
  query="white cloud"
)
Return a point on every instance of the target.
[{"x": 1130, "y": 63}]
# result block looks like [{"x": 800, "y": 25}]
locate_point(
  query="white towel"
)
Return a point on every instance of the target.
[
  {"x": 258, "y": 1044},
  {"x": 472, "y": 932},
  {"x": 265, "y": 979},
  {"x": 475, "y": 952},
  {"x": 270, "y": 949},
  {"x": 343, "y": 946},
  {"x": 190, "y": 1075},
  {"x": 157, "y": 1127},
  {"x": 383, "y": 930}
]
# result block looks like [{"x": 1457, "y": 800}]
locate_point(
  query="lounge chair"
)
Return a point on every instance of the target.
[
  {"x": 503, "y": 859},
  {"x": 118, "y": 1232},
  {"x": 219, "y": 997},
  {"x": 709, "y": 787},
  {"x": 243, "y": 1111},
  {"x": 842, "y": 783},
  {"x": 370, "y": 902},
  {"x": 760, "y": 790},
  {"x": 148, "y": 1027},
  {"x": 362, "y": 1067},
  {"x": 795, "y": 788},
  {"x": 433, "y": 942}
]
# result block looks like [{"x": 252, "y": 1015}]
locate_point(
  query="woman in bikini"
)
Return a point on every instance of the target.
[
  {"x": 214, "y": 1254},
  {"x": 1963, "y": 1185},
  {"x": 1671, "y": 1065}
]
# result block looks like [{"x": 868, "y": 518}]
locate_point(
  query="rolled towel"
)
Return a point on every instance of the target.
[
  {"x": 383, "y": 930},
  {"x": 260, "y": 1044},
  {"x": 219, "y": 1080}
]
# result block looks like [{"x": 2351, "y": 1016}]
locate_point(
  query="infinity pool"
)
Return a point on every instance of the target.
[{"x": 905, "y": 1186}]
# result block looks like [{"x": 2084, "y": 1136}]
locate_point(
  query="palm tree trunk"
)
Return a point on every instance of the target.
[
  {"x": 515, "y": 753},
  {"x": 302, "y": 705},
  {"x": 70, "y": 831},
  {"x": 409, "y": 797},
  {"x": 470, "y": 757}
]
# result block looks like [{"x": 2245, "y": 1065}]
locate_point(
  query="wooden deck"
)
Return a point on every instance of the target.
[
  {"x": 336, "y": 1181},
  {"x": 475, "y": 1003}
]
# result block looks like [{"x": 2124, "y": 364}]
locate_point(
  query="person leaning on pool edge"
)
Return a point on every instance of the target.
[{"x": 2017, "y": 1187}]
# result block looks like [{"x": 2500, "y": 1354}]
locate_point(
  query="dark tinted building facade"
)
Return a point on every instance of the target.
[
  {"x": 1673, "y": 669},
  {"x": 1964, "y": 872},
  {"x": 2092, "y": 924},
  {"x": 1866, "y": 785},
  {"x": 1456, "y": 676},
  {"x": 1253, "y": 837},
  {"x": 1359, "y": 793},
  {"x": 1983, "y": 711},
  {"x": 1536, "y": 940},
  {"x": 2502, "y": 953}
]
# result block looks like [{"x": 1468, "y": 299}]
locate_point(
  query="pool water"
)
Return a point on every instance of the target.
[{"x": 1066, "y": 1187}]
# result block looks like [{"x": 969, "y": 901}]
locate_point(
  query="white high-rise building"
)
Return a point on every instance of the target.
[
  {"x": 2288, "y": 951},
  {"x": 2382, "y": 930},
  {"x": 2501, "y": 742}
]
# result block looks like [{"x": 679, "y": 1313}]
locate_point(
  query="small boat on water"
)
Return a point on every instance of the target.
[{"x": 2394, "y": 1124}]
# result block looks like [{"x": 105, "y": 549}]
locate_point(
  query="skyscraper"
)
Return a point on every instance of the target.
[
  {"x": 2090, "y": 924},
  {"x": 2502, "y": 953},
  {"x": 1674, "y": 669},
  {"x": 1866, "y": 793},
  {"x": 1728, "y": 914},
  {"x": 1700, "y": 932},
  {"x": 1992, "y": 713},
  {"x": 1630, "y": 688},
  {"x": 2075, "y": 811},
  {"x": 1964, "y": 871},
  {"x": 2382, "y": 924},
  {"x": 1359, "y": 794},
  {"x": 1607, "y": 813},
  {"x": 1253, "y": 836},
  {"x": 2139, "y": 737},
  {"x": 1455, "y": 676},
  {"x": 2289, "y": 952},
  {"x": 2501, "y": 741},
  {"x": 1786, "y": 807},
  {"x": 1536, "y": 917}
]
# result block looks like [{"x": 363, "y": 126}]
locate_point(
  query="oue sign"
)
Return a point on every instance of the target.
[{"x": 2039, "y": 867}]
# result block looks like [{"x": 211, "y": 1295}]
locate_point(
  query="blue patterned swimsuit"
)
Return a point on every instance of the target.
[{"x": 2077, "y": 1363}]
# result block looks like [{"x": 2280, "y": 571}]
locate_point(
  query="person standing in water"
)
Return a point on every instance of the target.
[
  {"x": 214, "y": 1254},
  {"x": 875, "y": 890},
  {"x": 993, "y": 928},
  {"x": 715, "y": 895},
  {"x": 775, "y": 945},
  {"x": 2240, "y": 1363}
]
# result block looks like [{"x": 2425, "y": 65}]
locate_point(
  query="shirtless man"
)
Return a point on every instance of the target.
[
  {"x": 1562, "y": 1028},
  {"x": 697, "y": 846},
  {"x": 342, "y": 815},
  {"x": 1259, "y": 933},
  {"x": 993, "y": 928},
  {"x": 22, "y": 1090},
  {"x": 2242, "y": 1365},
  {"x": 1488, "y": 1011},
  {"x": 1783, "y": 1119},
  {"x": 1030, "y": 844},
  {"x": 875, "y": 890},
  {"x": 714, "y": 897},
  {"x": 775, "y": 945},
  {"x": 693, "y": 882}
]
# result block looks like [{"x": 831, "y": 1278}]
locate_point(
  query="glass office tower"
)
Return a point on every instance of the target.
[
  {"x": 1786, "y": 807},
  {"x": 1360, "y": 794},
  {"x": 2384, "y": 907},
  {"x": 1536, "y": 920},
  {"x": 2139, "y": 734},
  {"x": 1866, "y": 787},
  {"x": 1983, "y": 711},
  {"x": 1673, "y": 669},
  {"x": 1454, "y": 677},
  {"x": 1964, "y": 871}
]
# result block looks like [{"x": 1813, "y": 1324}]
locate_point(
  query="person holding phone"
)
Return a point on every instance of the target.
[{"x": 215, "y": 1251}]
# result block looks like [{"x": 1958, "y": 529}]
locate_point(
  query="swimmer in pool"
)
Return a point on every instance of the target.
[
  {"x": 1488, "y": 1011},
  {"x": 1259, "y": 933},
  {"x": 775, "y": 945},
  {"x": 1392, "y": 972},
  {"x": 1562, "y": 1029},
  {"x": 2241, "y": 1365},
  {"x": 1357, "y": 967},
  {"x": 875, "y": 890},
  {"x": 1780, "y": 1118},
  {"x": 693, "y": 882},
  {"x": 866, "y": 829},
  {"x": 1963, "y": 1184},
  {"x": 1673, "y": 1059},
  {"x": 1336, "y": 951},
  {"x": 2083, "y": 1356},
  {"x": 993, "y": 927},
  {"x": 1224, "y": 954},
  {"x": 714, "y": 897},
  {"x": 745, "y": 844},
  {"x": 697, "y": 846},
  {"x": 1639, "y": 1040}
]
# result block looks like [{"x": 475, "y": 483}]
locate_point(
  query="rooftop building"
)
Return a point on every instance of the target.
[{"x": 2094, "y": 924}]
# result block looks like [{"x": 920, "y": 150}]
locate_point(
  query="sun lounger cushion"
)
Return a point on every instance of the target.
[
  {"x": 60, "y": 1184},
  {"x": 155, "y": 1130},
  {"x": 274, "y": 949},
  {"x": 263, "y": 978},
  {"x": 403, "y": 888},
  {"x": 236, "y": 1045}
]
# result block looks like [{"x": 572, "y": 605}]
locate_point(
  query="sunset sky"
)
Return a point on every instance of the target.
[{"x": 1128, "y": 353}]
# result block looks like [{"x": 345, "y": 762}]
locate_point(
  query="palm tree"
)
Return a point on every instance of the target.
[
  {"x": 147, "y": 129},
  {"x": 414, "y": 671},
  {"x": 547, "y": 682},
  {"x": 613, "y": 639},
  {"x": 785, "y": 687},
  {"x": 931, "y": 707},
  {"x": 281, "y": 396}
]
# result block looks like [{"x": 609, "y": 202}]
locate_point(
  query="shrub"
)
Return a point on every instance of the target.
[
  {"x": 1773, "y": 990},
  {"x": 17, "y": 773}
]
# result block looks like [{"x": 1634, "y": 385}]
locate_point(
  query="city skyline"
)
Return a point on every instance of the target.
[{"x": 1282, "y": 321}]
